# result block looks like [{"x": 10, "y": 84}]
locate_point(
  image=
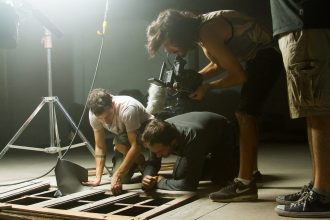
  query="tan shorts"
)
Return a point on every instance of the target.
[{"x": 306, "y": 57}]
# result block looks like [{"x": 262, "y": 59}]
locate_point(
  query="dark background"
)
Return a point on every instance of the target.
[{"x": 125, "y": 65}]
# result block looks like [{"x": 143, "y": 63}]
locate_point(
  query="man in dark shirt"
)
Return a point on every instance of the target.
[
  {"x": 302, "y": 28},
  {"x": 204, "y": 143}
]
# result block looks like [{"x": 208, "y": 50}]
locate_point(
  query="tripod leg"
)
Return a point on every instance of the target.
[
  {"x": 89, "y": 146},
  {"x": 51, "y": 122},
  {"x": 20, "y": 131},
  {"x": 57, "y": 135}
]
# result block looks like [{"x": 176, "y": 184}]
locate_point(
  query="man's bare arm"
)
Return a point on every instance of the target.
[
  {"x": 131, "y": 155},
  {"x": 222, "y": 56},
  {"x": 100, "y": 156}
]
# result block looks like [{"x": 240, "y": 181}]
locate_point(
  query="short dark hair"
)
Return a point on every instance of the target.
[
  {"x": 159, "y": 131},
  {"x": 180, "y": 27},
  {"x": 99, "y": 100}
]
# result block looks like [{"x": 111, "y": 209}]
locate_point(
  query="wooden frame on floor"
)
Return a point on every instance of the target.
[{"x": 89, "y": 204}]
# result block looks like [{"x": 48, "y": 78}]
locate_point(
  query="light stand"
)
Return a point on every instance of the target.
[{"x": 52, "y": 102}]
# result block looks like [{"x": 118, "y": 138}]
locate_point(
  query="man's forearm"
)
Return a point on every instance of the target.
[
  {"x": 210, "y": 70},
  {"x": 100, "y": 157},
  {"x": 227, "y": 81},
  {"x": 129, "y": 159}
]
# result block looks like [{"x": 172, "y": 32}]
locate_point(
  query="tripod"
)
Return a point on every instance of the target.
[{"x": 52, "y": 102}]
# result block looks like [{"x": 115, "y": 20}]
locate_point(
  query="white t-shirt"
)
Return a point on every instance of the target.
[{"x": 128, "y": 116}]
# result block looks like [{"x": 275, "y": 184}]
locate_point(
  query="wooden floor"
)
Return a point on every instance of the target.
[{"x": 286, "y": 167}]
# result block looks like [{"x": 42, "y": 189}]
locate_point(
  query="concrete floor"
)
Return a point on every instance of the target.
[{"x": 286, "y": 167}]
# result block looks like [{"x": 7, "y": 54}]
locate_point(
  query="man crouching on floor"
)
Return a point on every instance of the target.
[
  {"x": 123, "y": 116},
  {"x": 204, "y": 143}
]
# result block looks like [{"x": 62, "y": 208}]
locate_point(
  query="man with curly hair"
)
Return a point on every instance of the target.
[{"x": 124, "y": 117}]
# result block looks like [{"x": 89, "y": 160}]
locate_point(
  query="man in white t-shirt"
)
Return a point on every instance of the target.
[{"x": 123, "y": 116}]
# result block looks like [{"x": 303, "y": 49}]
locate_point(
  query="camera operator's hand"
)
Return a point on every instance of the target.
[{"x": 200, "y": 92}]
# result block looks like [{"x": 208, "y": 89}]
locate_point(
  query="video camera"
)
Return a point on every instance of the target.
[{"x": 184, "y": 81}]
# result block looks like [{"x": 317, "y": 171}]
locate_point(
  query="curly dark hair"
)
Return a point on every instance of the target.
[
  {"x": 99, "y": 100},
  {"x": 159, "y": 131},
  {"x": 180, "y": 27}
]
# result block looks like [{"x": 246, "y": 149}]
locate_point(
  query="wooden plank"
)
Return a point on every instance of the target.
[
  {"x": 140, "y": 204},
  {"x": 43, "y": 193},
  {"x": 25, "y": 189},
  {"x": 6, "y": 189},
  {"x": 5, "y": 206},
  {"x": 27, "y": 199},
  {"x": 200, "y": 207},
  {"x": 104, "y": 202},
  {"x": 143, "y": 206},
  {"x": 59, "y": 208},
  {"x": 167, "y": 206},
  {"x": 92, "y": 171},
  {"x": 130, "y": 206},
  {"x": 27, "y": 212},
  {"x": 121, "y": 210},
  {"x": 68, "y": 198}
]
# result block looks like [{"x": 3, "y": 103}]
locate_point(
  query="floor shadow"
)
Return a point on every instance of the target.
[{"x": 266, "y": 178}]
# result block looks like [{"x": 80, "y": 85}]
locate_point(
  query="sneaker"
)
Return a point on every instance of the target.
[
  {"x": 257, "y": 176},
  {"x": 310, "y": 205},
  {"x": 236, "y": 192},
  {"x": 287, "y": 199}
]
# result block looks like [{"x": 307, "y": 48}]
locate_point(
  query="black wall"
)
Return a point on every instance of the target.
[{"x": 124, "y": 65}]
